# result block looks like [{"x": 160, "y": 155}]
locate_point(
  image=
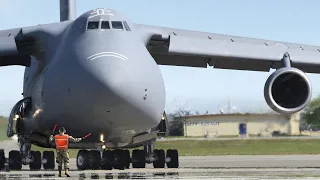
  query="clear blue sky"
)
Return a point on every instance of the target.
[{"x": 193, "y": 88}]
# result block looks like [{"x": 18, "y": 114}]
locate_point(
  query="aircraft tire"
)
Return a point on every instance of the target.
[
  {"x": 2, "y": 159},
  {"x": 160, "y": 161},
  {"x": 36, "y": 162},
  {"x": 96, "y": 159},
  {"x": 83, "y": 160},
  {"x": 107, "y": 160},
  {"x": 138, "y": 159},
  {"x": 49, "y": 156},
  {"x": 15, "y": 160},
  {"x": 119, "y": 159},
  {"x": 127, "y": 158},
  {"x": 174, "y": 158}
]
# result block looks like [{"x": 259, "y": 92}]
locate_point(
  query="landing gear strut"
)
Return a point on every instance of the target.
[
  {"x": 158, "y": 158},
  {"x": 120, "y": 159}
]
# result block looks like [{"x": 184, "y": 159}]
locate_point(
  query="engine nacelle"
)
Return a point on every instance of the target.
[{"x": 287, "y": 90}]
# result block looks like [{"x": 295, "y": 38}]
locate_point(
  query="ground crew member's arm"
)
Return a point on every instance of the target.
[{"x": 72, "y": 139}]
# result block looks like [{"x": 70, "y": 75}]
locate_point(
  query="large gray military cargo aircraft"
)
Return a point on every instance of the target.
[{"x": 98, "y": 73}]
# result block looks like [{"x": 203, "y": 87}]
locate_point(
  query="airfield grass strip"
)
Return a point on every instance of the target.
[
  {"x": 234, "y": 147},
  {"x": 3, "y": 128},
  {"x": 220, "y": 147}
]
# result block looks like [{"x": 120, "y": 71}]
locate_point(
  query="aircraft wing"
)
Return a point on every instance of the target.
[
  {"x": 18, "y": 44},
  {"x": 180, "y": 47},
  {"x": 15, "y": 48}
]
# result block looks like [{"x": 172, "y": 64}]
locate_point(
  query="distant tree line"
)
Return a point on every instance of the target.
[
  {"x": 178, "y": 118},
  {"x": 310, "y": 116}
]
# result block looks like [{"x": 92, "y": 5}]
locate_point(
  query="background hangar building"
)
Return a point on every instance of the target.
[{"x": 237, "y": 124}]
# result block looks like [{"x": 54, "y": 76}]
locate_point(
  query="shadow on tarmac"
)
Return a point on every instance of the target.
[{"x": 129, "y": 175}]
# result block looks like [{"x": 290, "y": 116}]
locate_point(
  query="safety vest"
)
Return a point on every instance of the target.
[{"x": 61, "y": 141}]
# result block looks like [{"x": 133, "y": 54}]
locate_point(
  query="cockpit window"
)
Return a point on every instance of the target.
[
  {"x": 126, "y": 26},
  {"x": 93, "y": 25},
  {"x": 105, "y": 25},
  {"x": 117, "y": 25}
]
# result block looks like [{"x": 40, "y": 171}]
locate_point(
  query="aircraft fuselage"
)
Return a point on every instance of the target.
[{"x": 99, "y": 81}]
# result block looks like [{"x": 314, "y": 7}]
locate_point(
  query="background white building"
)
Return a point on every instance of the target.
[{"x": 237, "y": 124}]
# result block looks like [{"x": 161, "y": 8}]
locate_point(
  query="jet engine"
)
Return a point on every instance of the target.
[{"x": 287, "y": 90}]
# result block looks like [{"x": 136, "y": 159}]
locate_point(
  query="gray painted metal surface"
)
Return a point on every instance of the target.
[
  {"x": 99, "y": 72},
  {"x": 68, "y": 10}
]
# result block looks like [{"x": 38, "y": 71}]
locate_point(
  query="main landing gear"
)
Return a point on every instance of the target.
[
  {"x": 34, "y": 159},
  {"x": 120, "y": 159},
  {"x": 27, "y": 157}
]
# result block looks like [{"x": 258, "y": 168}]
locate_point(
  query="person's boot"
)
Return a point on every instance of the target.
[
  {"x": 59, "y": 169},
  {"x": 67, "y": 172}
]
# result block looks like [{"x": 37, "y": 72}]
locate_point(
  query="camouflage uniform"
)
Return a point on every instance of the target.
[
  {"x": 63, "y": 155},
  {"x": 62, "y": 149}
]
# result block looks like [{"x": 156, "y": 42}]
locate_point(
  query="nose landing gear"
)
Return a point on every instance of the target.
[{"x": 120, "y": 159}]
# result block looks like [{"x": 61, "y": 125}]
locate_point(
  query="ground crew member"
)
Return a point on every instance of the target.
[{"x": 61, "y": 141}]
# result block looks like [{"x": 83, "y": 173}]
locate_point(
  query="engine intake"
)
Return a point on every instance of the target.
[{"x": 287, "y": 90}]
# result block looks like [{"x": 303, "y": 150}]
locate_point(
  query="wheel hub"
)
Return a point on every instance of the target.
[{"x": 80, "y": 160}]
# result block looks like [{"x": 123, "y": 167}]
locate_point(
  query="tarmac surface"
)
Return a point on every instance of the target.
[
  {"x": 193, "y": 167},
  {"x": 181, "y": 173},
  {"x": 198, "y": 167},
  {"x": 235, "y": 138}
]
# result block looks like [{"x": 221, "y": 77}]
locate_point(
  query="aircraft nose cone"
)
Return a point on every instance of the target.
[{"x": 110, "y": 85}]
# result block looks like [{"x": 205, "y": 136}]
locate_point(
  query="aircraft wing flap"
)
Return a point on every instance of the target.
[
  {"x": 180, "y": 60},
  {"x": 180, "y": 47}
]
